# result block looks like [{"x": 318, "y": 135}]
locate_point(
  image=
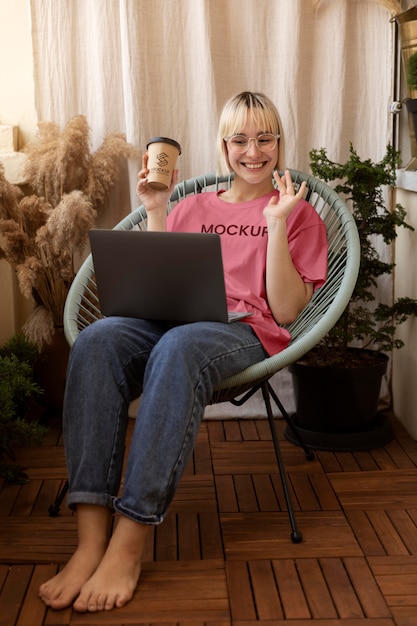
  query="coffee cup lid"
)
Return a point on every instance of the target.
[{"x": 165, "y": 140}]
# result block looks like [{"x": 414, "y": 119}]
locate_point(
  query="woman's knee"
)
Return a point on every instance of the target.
[{"x": 96, "y": 340}]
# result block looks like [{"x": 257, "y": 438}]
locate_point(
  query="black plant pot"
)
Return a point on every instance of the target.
[{"x": 337, "y": 408}]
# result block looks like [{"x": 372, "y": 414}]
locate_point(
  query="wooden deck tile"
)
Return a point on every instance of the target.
[
  {"x": 406, "y": 528},
  {"x": 187, "y": 536},
  {"x": 305, "y": 589},
  {"x": 241, "y": 602},
  {"x": 378, "y": 490},
  {"x": 36, "y": 540},
  {"x": 223, "y": 556},
  {"x": 13, "y": 592},
  {"x": 195, "y": 493},
  {"x": 33, "y": 612},
  {"x": 387, "y": 533},
  {"x": 264, "y": 589},
  {"x": 366, "y": 587},
  {"x": 170, "y": 593},
  {"x": 38, "y": 459},
  {"x": 293, "y": 599},
  {"x": 397, "y": 580},
  {"x": 324, "y": 622},
  {"x": 252, "y": 457},
  {"x": 267, "y": 536}
]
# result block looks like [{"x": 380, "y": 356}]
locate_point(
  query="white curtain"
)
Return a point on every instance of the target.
[
  {"x": 148, "y": 67},
  {"x": 165, "y": 67}
]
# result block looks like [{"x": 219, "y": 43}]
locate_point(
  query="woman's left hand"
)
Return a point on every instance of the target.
[{"x": 282, "y": 207}]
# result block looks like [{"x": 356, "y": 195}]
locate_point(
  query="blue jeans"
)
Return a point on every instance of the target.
[{"x": 174, "y": 368}]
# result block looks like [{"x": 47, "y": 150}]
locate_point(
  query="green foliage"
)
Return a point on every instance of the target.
[
  {"x": 362, "y": 182},
  {"x": 16, "y": 387},
  {"x": 412, "y": 71},
  {"x": 23, "y": 349}
]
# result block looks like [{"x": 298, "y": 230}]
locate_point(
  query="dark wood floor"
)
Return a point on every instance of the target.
[{"x": 224, "y": 556}]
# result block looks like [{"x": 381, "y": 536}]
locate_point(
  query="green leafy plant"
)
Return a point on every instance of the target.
[
  {"x": 17, "y": 358},
  {"x": 364, "y": 322},
  {"x": 412, "y": 71},
  {"x": 21, "y": 348}
]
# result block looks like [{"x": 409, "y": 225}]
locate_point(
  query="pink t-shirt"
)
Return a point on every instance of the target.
[{"x": 243, "y": 233}]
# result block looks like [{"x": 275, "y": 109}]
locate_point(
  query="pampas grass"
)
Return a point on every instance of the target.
[{"x": 42, "y": 233}]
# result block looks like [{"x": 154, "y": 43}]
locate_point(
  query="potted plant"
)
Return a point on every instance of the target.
[
  {"x": 411, "y": 102},
  {"x": 337, "y": 384},
  {"x": 44, "y": 229},
  {"x": 18, "y": 427}
]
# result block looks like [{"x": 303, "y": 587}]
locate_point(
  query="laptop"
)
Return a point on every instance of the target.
[{"x": 160, "y": 275}]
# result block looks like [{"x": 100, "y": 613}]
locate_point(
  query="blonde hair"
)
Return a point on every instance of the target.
[{"x": 234, "y": 117}]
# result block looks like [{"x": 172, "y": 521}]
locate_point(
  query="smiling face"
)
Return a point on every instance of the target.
[
  {"x": 250, "y": 114},
  {"x": 255, "y": 164}
]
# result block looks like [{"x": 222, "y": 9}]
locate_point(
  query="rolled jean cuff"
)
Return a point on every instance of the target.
[
  {"x": 142, "y": 519},
  {"x": 87, "y": 497}
]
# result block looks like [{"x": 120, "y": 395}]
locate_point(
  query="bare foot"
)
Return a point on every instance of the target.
[
  {"x": 113, "y": 583},
  {"x": 111, "y": 586},
  {"x": 61, "y": 590},
  {"x": 93, "y": 537}
]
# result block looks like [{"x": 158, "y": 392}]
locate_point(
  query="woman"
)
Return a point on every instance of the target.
[{"x": 274, "y": 253}]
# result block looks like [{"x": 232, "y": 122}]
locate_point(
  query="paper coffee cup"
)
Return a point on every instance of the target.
[{"x": 163, "y": 154}]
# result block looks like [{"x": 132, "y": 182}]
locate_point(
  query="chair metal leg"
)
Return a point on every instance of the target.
[
  {"x": 55, "y": 507},
  {"x": 296, "y": 535},
  {"x": 310, "y": 455}
]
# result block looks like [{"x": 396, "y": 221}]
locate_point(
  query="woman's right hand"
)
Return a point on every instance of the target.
[{"x": 151, "y": 198}]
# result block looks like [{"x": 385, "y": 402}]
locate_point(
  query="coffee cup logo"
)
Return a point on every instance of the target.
[{"x": 162, "y": 159}]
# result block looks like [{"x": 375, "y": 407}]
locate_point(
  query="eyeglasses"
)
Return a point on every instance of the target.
[{"x": 264, "y": 142}]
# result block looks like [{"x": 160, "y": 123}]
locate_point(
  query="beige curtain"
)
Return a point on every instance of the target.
[
  {"x": 165, "y": 67},
  {"x": 150, "y": 67}
]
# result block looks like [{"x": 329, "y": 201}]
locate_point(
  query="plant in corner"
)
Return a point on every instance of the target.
[
  {"x": 365, "y": 332},
  {"x": 44, "y": 228},
  {"x": 17, "y": 427},
  {"x": 411, "y": 102}
]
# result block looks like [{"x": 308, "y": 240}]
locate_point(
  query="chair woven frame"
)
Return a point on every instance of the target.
[{"x": 319, "y": 316}]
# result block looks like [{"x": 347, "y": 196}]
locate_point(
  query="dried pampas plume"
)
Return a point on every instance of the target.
[
  {"x": 41, "y": 234},
  {"x": 40, "y": 326},
  {"x": 61, "y": 162},
  {"x": 104, "y": 167}
]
